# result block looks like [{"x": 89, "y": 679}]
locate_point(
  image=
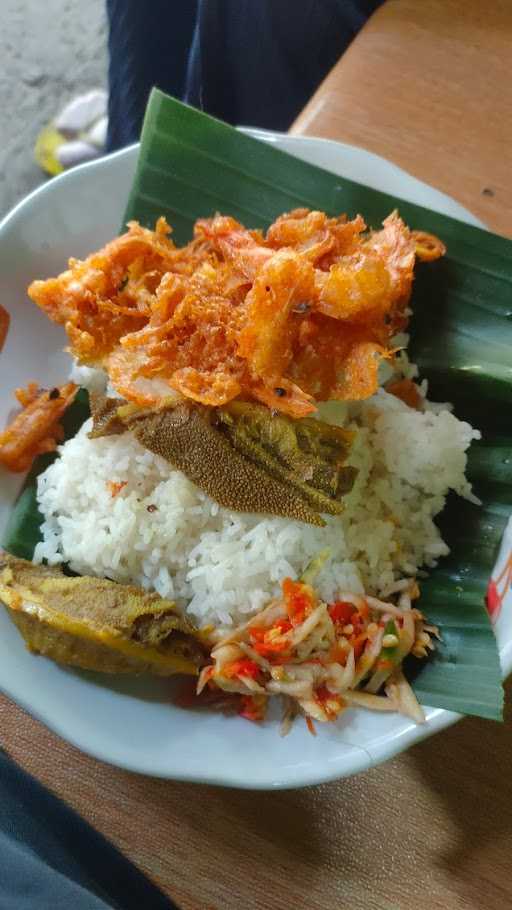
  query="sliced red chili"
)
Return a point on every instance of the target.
[
  {"x": 4, "y": 325},
  {"x": 310, "y": 725},
  {"x": 337, "y": 655},
  {"x": 265, "y": 642},
  {"x": 322, "y": 694},
  {"x": 253, "y": 708},
  {"x": 242, "y": 667},
  {"x": 358, "y": 644},
  {"x": 284, "y": 625},
  {"x": 267, "y": 649},
  {"x": 298, "y": 600},
  {"x": 341, "y": 611}
]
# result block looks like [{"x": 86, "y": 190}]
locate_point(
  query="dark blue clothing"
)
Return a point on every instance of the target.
[
  {"x": 149, "y": 45},
  {"x": 50, "y": 859},
  {"x": 252, "y": 62}
]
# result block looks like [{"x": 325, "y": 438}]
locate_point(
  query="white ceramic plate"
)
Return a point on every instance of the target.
[{"x": 132, "y": 722}]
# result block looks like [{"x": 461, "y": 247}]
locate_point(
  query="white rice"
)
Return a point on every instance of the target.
[{"x": 221, "y": 565}]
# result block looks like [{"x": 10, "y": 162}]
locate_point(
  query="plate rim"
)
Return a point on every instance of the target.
[{"x": 439, "y": 718}]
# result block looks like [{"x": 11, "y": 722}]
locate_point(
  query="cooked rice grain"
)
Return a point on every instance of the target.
[{"x": 161, "y": 532}]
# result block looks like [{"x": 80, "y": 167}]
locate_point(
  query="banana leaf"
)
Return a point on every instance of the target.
[{"x": 191, "y": 165}]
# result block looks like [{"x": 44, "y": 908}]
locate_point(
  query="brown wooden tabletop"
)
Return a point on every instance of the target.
[{"x": 426, "y": 84}]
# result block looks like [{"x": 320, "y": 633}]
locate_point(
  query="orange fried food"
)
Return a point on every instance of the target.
[
  {"x": 243, "y": 249},
  {"x": 36, "y": 429},
  {"x": 428, "y": 246},
  {"x": 320, "y": 238},
  {"x": 110, "y": 294},
  {"x": 4, "y": 325},
  {"x": 300, "y": 314},
  {"x": 407, "y": 391},
  {"x": 270, "y": 326}
]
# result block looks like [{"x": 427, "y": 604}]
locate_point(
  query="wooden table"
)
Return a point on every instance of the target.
[{"x": 427, "y": 84}]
